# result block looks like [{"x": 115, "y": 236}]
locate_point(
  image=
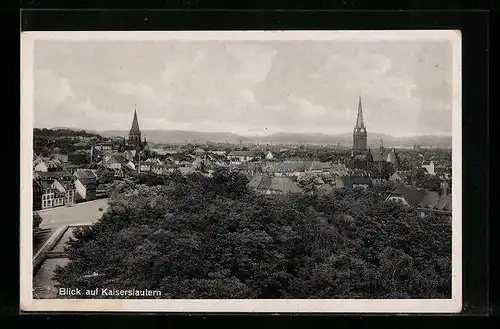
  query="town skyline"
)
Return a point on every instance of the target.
[{"x": 245, "y": 88}]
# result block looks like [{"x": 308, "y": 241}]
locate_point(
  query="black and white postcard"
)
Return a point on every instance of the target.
[{"x": 241, "y": 171}]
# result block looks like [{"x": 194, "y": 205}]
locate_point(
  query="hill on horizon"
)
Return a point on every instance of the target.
[{"x": 184, "y": 136}]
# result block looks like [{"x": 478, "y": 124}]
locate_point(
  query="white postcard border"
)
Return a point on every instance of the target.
[{"x": 28, "y": 303}]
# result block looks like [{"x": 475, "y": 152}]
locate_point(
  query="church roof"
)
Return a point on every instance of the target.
[
  {"x": 385, "y": 156},
  {"x": 134, "y": 130}
]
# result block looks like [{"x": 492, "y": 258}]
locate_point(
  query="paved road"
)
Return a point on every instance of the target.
[{"x": 80, "y": 213}]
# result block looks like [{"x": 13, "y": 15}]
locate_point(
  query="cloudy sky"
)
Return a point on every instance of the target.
[{"x": 244, "y": 87}]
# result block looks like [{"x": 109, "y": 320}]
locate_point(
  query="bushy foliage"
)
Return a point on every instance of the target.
[
  {"x": 199, "y": 237},
  {"x": 37, "y": 220}
]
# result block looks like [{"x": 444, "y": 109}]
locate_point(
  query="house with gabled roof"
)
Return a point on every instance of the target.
[
  {"x": 287, "y": 168},
  {"x": 422, "y": 199},
  {"x": 117, "y": 161},
  {"x": 319, "y": 167},
  {"x": 199, "y": 151},
  {"x": 47, "y": 164},
  {"x": 85, "y": 184},
  {"x": 353, "y": 181},
  {"x": 398, "y": 178},
  {"x": 272, "y": 185}
]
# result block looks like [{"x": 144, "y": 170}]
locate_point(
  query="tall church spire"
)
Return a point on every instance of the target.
[
  {"x": 359, "y": 120},
  {"x": 134, "y": 135},
  {"x": 359, "y": 134},
  {"x": 134, "y": 130}
]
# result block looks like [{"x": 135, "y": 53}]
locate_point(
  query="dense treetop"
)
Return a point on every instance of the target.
[
  {"x": 199, "y": 237},
  {"x": 66, "y": 140}
]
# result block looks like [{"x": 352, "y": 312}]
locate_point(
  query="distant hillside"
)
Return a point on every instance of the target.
[
  {"x": 346, "y": 139},
  {"x": 182, "y": 136}
]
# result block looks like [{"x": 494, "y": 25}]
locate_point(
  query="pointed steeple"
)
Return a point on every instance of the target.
[
  {"x": 381, "y": 146},
  {"x": 359, "y": 120},
  {"x": 134, "y": 130}
]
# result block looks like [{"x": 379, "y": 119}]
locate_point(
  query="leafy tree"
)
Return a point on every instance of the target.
[
  {"x": 199, "y": 237},
  {"x": 105, "y": 175},
  {"x": 429, "y": 182},
  {"x": 37, "y": 220}
]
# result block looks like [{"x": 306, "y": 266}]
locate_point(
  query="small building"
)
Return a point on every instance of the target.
[
  {"x": 220, "y": 153},
  {"x": 353, "y": 181},
  {"x": 287, "y": 168},
  {"x": 46, "y": 164},
  {"x": 238, "y": 157},
  {"x": 185, "y": 170},
  {"x": 269, "y": 156},
  {"x": 103, "y": 147},
  {"x": 118, "y": 161},
  {"x": 69, "y": 167},
  {"x": 199, "y": 151},
  {"x": 397, "y": 178},
  {"x": 146, "y": 166},
  {"x": 407, "y": 195},
  {"x": 172, "y": 151},
  {"x": 85, "y": 184},
  {"x": 162, "y": 169},
  {"x": 318, "y": 167},
  {"x": 63, "y": 158},
  {"x": 422, "y": 199},
  {"x": 429, "y": 167}
]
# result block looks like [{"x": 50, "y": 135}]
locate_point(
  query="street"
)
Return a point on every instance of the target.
[{"x": 80, "y": 213}]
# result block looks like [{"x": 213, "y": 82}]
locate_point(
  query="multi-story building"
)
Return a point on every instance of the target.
[{"x": 53, "y": 190}]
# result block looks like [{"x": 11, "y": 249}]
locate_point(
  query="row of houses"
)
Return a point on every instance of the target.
[
  {"x": 61, "y": 188},
  {"x": 423, "y": 199},
  {"x": 406, "y": 195}
]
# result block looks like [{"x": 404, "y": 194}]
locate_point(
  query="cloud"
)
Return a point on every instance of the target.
[
  {"x": 139, "y": 89},
  {"x": 254, "y": 61},
  {"x": 51, "y": 89},
  {"x": 245, "y": 85}
]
